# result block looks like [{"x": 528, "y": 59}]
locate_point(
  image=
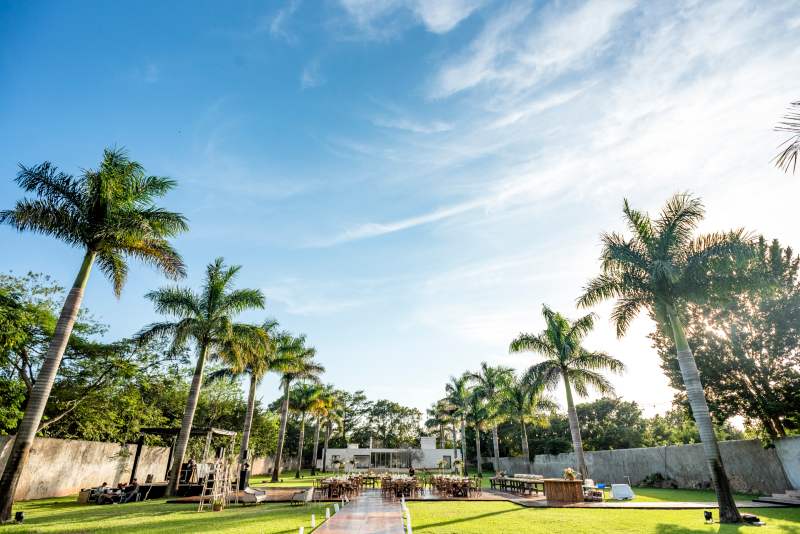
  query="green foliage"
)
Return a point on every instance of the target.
[
  {"x": 611, "y": 423},
  {"x": 747, "y": 346}
]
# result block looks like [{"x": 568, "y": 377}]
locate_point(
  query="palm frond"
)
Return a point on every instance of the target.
[
  {"x": 788, "y": 156},
  {"x": 601, "y": 288}
]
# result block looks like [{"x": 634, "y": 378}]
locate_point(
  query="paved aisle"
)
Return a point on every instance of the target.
[{"x": 368, "y": 513}]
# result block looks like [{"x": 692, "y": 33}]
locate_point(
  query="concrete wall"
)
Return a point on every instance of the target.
[
  {"x": 750, "y": 467},
  {"x": 59, "y": 467}
]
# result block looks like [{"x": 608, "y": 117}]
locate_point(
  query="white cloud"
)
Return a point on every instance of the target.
[
  {"x": 279, "y": 22},
  {"x": 410, "y": 125},
  {"x": 311, "y": 77},
  {"x": 508, "y": 54},
  {"x": 438, "y": 16}
]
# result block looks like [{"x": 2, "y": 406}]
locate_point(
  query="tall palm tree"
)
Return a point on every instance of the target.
[
  {"x": 301, "y": 366},
  {"x": 458, "y": 396},
  {"x": 205, "y": 319},
  {"x": 327, "y": 400},
  {"x": 252, "y": 353},
  {"x": 491, "y": 381},
  {"x": 304, "y": 397},
  {"x": 787, "y": 159},
  {"x": 332, "y": 417},
  {"x": 660, "y": 268},
  {"x": 111, "y": 215},
  {"x": 524, "y": 401},
  {"x": 478, "y": 418},
  {"x": 566, "y": 360}
]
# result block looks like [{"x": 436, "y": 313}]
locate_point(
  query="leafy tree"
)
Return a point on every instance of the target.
[
  {"x": 331, "y": 418},
  {"x": 206, "y": 320},
  {"x": 354, "y": 411},
  {"x": 566, "y": 360},
  {"x": 748, "y": 348},
  {"x": 611, "y": 423},
  {"x": 111, "y": 215},
  {"x": 787, "y": 159},
  {"x": 661, "y": 268},
  {"x": 437, "y": 420},
  {"x": 478, "y": 418},
  {"x": 490, "y": 383},
  {"x": 394, "y": 425},
  {"x": 300, "y": 365}
]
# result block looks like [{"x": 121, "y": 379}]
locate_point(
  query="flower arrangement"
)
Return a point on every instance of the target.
[{"x": 570, "y": 474}]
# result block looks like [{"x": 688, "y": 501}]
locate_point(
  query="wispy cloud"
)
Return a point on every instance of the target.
[
  {"x": 509, "y": 55},
  {"x": 377, "y": 229},
  {"x": 410, "y": 125},
  {"x": 378, "y": 18},
  {"x": 311, "y": 76},
  {"x": 279, "y": 22}
]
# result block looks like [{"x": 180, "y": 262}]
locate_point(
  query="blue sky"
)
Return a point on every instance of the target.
[{"x": 407, "y": 180}]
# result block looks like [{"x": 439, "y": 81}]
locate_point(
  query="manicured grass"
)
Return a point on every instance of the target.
[
  {"x": 483, "y": 517},
  {"x": 65, "y": 515},
  {"x": 681, "y": 495},
  {"x": 288, "y": 479}
]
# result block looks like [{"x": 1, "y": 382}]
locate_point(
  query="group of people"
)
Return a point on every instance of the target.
[{"x": 105, "y": 494}]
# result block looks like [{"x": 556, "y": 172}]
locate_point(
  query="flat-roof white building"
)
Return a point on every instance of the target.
[{"x": 427, "y": 456}]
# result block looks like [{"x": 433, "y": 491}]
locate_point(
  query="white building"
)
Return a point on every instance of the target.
[{"x": 427, "y": 456}]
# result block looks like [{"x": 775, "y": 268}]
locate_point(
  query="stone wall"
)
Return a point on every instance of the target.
[
  {"x": 750, "y": 467},
  {"x": 59, "y": 467}
]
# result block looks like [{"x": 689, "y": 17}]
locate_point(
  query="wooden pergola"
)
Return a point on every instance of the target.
[{"x": 208, "y": 432}]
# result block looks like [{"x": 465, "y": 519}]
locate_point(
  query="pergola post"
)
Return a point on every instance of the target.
[
  {"x": 169, "y": 458},
  {"x": 136, "y": 456}
]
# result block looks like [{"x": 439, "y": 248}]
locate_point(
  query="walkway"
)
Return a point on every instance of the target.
[{"x": 368, "y": 513}]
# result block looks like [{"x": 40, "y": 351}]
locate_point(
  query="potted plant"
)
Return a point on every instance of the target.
[
  {"x": 570, "y": 474},
  {"x": 217, "y": 505},
  {"x": 441, "y": 463}
]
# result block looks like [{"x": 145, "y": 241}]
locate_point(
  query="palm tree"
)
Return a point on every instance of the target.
[
  {"x": 661, "y": 268},
  {"x": 300, "y": 366},
  {"x": 567, "y": 360},
  {"x": 478, "y": 418},
  {"x": 304, "y": 397},
  {"x": 332, "y": 417},
  {"x": 491, "y": 381},
  {"x": 437, "y": 419},
  {"x": 458, "y": 397},
  {"x": 524, "y": 401},
  {"x": 787, "y": 159},
  {"x": 206, "y": 319},
  {"x": 110, "y": 214},
  {"x": 327, "y": 400},
  {"x": 253, "y": 354}
]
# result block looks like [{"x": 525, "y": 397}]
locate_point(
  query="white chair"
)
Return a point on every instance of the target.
[
  {"x": 622, "y": 492},
  {"x": 304, "y": 497}
]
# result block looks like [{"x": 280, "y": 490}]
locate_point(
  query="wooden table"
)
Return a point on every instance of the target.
[{"x": 561, "y": 490}]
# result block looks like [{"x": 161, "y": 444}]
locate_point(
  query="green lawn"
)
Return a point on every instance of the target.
[
  {"x": 288, "y": 479},
  {"x": 65, "y": 515},
  {"x": 482, "y": 517}
]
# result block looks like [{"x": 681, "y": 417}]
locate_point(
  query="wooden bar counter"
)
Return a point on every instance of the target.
[{"x": 562, "y": 490}]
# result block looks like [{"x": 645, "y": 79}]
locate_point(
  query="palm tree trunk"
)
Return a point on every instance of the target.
[
  {"x": 325, "y": 450},
  {"x": 316, "y": 449},
  {"x": 525, "y": 449},
  {"x": 441, "y": 435},
  {"x": 248, "y": 419},
  {"x": 300, "y": 445},
  {"x": 26, "y": 432},
  {"x": 455, "y": 442},
  {"x": 478, "y": 450},
  {"x": 276, "y": 469},
  {"x": 464, "y": 445},
  {"x": 186, "y": 423},
  {"x": 728, "y": 513},
  {"x": 496, "y": 445},
  {"x": 575, "y": 430}
]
